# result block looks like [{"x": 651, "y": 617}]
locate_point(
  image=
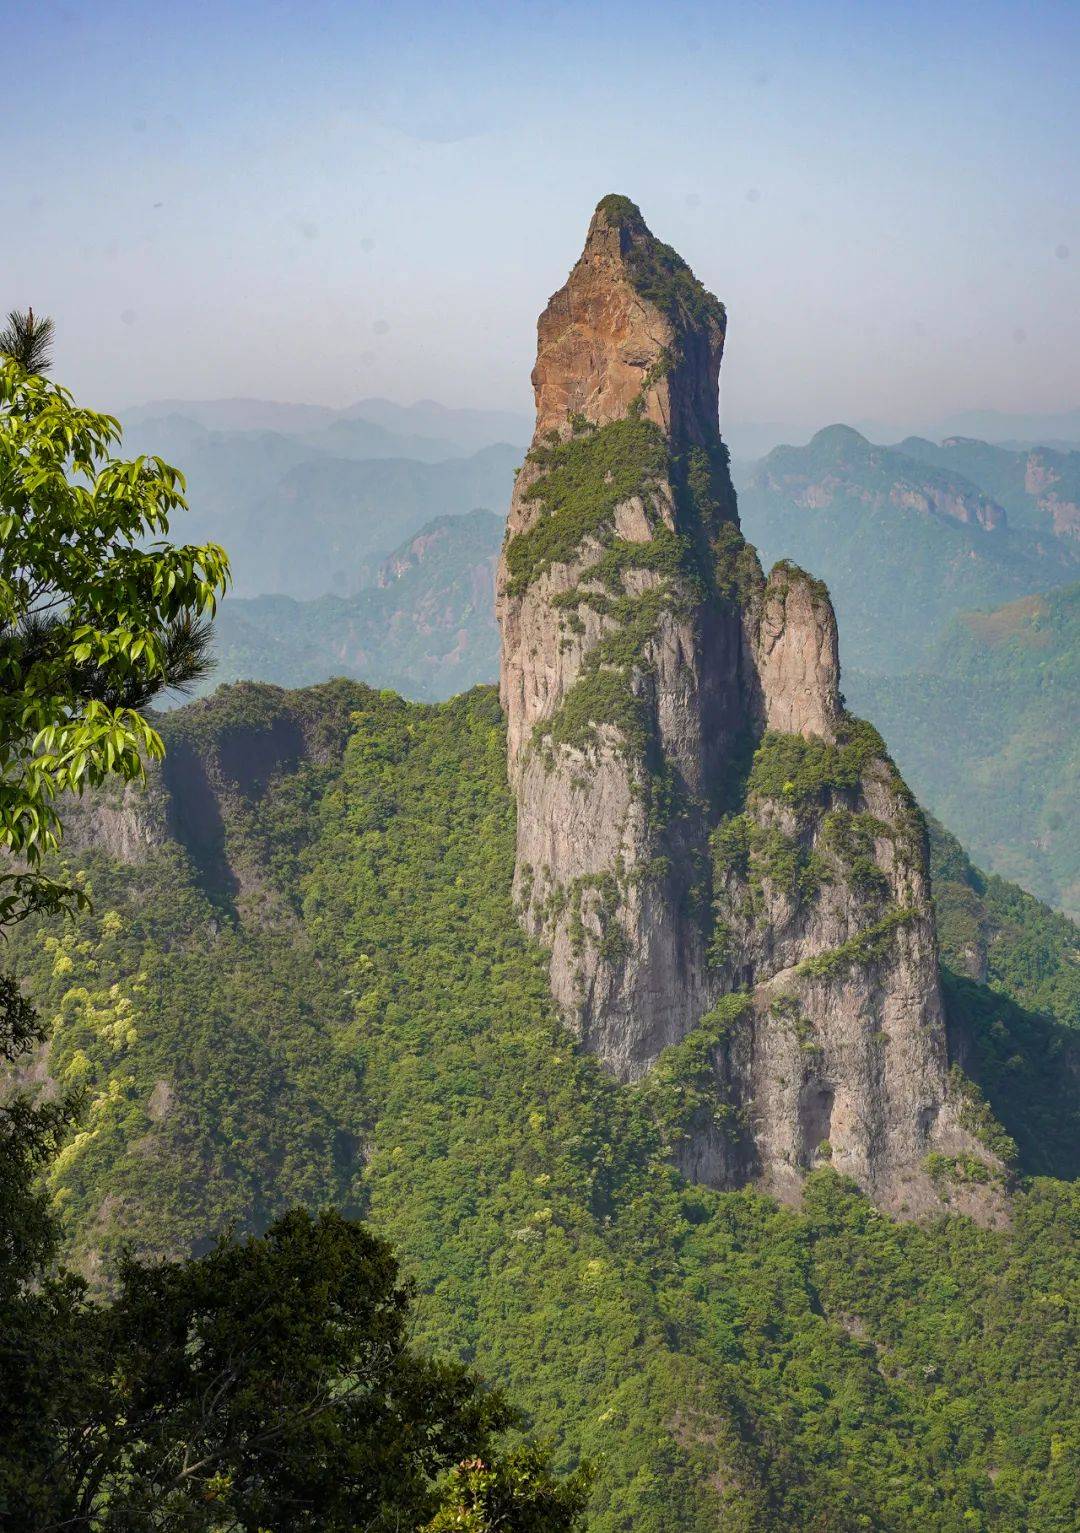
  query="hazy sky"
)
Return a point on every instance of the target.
[{"x": 326, "y": 200}]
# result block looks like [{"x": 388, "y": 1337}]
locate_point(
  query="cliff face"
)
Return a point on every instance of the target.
[
  {"x": 127, "y": 821},
  {"x": 716, "y": 856},
  {"x": 622, "y": 684}
]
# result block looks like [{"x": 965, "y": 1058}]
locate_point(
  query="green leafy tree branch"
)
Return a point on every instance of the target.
[{"x": 98, "y": 613}]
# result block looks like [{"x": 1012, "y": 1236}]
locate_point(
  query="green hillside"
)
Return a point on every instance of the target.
[
  {"x": 322, "y": 994},
  {"x": 986, "y": 735},
  {"x": 903, "y": 545},
  {"x": 1011, "y": 973}
]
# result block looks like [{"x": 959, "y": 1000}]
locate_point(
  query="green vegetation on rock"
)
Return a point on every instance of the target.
[
  {"x": 658, "y": 272},
  {"x": 803, "y": 773},
  {"x": 583, "y": 480},
  {"x": 753, "y": 852},
  {"x": 680, "y": 1092},
  {"x": 866, "y": 948}
]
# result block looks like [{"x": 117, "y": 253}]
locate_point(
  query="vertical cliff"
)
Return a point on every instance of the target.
[{"x": 723, "y": 865}]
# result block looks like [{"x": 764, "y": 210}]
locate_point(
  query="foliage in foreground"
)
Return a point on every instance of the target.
[
  {"x": 266, "y": 1384},
  {"x": 93, "y": 620}
]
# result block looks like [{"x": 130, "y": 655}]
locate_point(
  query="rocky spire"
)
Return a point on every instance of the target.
[
  {"x": 632, "y": 326},
  {"x": 770, "y": 907}
]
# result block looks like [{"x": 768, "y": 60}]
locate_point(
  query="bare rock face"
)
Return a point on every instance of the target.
[
  {"x": 126, "y": 821},
  {"x": 621, "y": 681},
  {"x": 727, "y": 871},
  {"x": 797, "y": 655}
]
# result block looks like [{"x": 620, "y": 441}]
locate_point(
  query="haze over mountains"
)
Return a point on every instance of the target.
[
  {"x": 315, "y": 510},
  {"x": 364, "y": 543},
  {"x": 425, "y": 626},
  {"x": 904, "y": 542},
  {"x": 453, "y": 430},
  {"x": 987, "y": 733},
  {"x": 456, "y": 431}
]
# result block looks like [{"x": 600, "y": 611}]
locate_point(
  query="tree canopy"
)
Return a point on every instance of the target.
[{"x": 267, "y": 1384}]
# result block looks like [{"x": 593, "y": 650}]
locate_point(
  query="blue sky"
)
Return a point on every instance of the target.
[{"x": 330, "y": 200}]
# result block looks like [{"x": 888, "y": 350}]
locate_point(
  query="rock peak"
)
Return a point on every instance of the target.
[
  {"x": 632, "y": 326},
  {"x": 776, "y": 910},
  {"x": 617, "y": 212}
]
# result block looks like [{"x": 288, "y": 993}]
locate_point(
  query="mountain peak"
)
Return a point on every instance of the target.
[
  {"x": 657, "y": 271},
  {"x": 617, "y": 212},
  {"x": 841, "y": 441},
  {"x": 632, "y": 328},
  {"x": 641, "y": 648}
]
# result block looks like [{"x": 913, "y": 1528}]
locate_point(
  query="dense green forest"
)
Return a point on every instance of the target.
[{"x": 322, "y": 996}]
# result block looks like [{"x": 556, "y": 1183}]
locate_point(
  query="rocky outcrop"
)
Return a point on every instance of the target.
[
  {"x": 1052, "y": 479},
  {"x": 221, "y": 754},
  {"x": 125, "y": 821},
  {"x": 723, "y": 865},
  {"x": 797, "y": 655},
  {"x": 621, "y": 683}
]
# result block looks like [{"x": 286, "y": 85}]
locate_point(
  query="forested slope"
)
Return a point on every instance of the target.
[
  {"x": 320, "y": 993},
  {"x": 986, "y": 735}
]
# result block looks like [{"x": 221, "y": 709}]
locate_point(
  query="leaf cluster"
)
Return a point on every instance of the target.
[{"x": 98, "y": 611}]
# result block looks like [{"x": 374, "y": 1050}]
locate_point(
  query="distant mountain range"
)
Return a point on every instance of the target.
[
  {"x": 426, "y": 627},
  {"x": 1005, "y": 428},
  {"x": 986, "y": 735},
  {"x": 905, "y": 542},
  {"x": 454, "y": 432},
  {"x": 749, "y": 440},
  {"x": 313, "y": 513},
  {"x": 1038, "y": 487}
]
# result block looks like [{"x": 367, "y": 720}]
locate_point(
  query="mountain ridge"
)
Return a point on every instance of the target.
[
  {"x": 903, "y": 544},
  {"x": 423, "y": 625}
]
